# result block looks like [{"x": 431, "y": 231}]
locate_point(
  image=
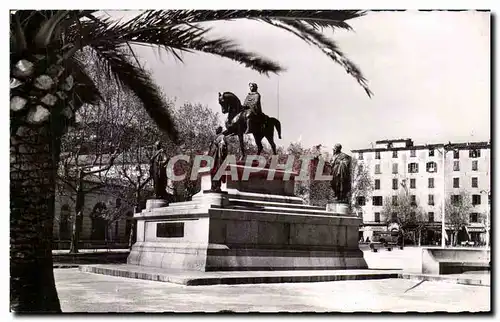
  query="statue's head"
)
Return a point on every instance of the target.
[
  {"x": 337, "y": 148},
  {"x": 218, "y": 130},
  {"x": 253, "y": 87}
]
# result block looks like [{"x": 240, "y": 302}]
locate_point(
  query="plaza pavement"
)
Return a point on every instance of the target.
[{"x": 86, "y": 292}]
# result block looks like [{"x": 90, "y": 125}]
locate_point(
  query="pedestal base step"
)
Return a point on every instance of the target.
[{"x": 237, "y": 277}]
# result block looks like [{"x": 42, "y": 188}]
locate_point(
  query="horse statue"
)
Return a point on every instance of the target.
[{"x": 236, "y": 123}]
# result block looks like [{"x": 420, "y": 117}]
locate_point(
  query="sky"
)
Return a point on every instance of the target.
[{"x": 429, "y": 72}]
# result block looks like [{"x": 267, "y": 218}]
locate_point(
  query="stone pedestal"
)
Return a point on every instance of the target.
[
  {"x": 340, "y": 208},
  {"x": 253, "y": 225},
  {"x": 156, "y": 203}
]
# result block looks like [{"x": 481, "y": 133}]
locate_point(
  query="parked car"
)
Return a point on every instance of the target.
[{"x": 387, "y": 239}]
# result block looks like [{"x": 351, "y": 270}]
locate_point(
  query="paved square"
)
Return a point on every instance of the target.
[{"x": 86, "y": 292}]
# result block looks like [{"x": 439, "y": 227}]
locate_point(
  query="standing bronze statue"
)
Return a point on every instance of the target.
[
  {"x": 218, "y": 151},
  {"x": 252, "y": 103},
  {"x": 341, "y": 172},
  {"x": 158, "y": 171}
]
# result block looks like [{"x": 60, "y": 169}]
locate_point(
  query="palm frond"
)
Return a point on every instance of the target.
[
  {"x": 177, "y": 37},
  {"x": 159, "y": 27},
  {"x": 329, "y": 48},
  {"x": 114, "y": 61},
  {"x": 314, "y": 18},
  {"x": 88, "y": 93}
]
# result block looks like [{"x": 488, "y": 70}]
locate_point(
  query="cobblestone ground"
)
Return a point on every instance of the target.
[{"x": 85, "y": 292}]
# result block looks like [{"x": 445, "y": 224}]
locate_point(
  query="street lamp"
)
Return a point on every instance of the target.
[{"x": 446, "y": 148}]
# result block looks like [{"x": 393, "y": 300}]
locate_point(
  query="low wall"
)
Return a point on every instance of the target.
[
  {"x": 115, "y": 257},
  {"x": 454, "y": 260},
  {"x": 90, "y": 244}
]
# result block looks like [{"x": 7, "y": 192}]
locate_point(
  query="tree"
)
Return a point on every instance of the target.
[
  {"x": 49, "y": 84},
  {"x": 196, "y": 124},
  {"x": 406, "y": 211},
  {"x": 362, "y": 184},
  {"x": 91, "y": 146},
  {"x": 457, "y": 210}
]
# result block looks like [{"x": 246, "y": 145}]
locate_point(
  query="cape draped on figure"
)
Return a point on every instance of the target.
[{"x": 252, "y": 101}]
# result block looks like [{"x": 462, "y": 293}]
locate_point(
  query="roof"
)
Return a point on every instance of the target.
[{"x": 449, "y": 146}]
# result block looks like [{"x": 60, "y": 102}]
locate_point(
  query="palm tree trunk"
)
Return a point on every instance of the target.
[{"x": 34, "y": 159}]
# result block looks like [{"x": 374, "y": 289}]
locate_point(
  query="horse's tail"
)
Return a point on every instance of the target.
[{"x": 277, "y": 125}]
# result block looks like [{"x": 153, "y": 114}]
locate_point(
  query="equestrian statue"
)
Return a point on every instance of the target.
[{"x": 248, "y": 118}]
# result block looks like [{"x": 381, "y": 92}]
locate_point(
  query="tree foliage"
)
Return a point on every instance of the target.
[
  {"x": 406, "y": 211},
  {"x": 457, "y": 211}
]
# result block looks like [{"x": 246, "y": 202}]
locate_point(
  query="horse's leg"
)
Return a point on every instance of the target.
[
  {"x": 242, "y": 146},
  {"x": 258, "y": 142},
  {"x": 270, "y": 139}
]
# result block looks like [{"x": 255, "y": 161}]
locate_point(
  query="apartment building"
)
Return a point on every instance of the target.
[{"x": 430, "y": 172}]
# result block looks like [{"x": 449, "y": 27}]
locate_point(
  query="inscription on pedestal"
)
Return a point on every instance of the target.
[{"x": 170, "y": 230}]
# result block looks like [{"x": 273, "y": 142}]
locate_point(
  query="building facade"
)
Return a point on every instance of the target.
[
  {"x": 95, "y": 231},
  {"x": 429, "y": 173}
]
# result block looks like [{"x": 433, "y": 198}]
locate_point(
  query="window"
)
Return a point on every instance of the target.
[
  {"x": 456, "y": 182},
  {"x": 377, "y": 169},
  {"x": 476, "y": 200},
  {"x": 377, "y": 184},
  {"x": 431, "y": 166},
  {"x": 456, "y": 165},
  {"x": 118, "y": 202},
  {"x": 377, "y": 154},
  {"x": 431, "y": 152},
  {"x": 394, "y": 168},
  {"x": 395, "y": 154},
  {"x": 394, "y": 200},
  {"x": 456, "y": 154},
  {"x": 413, "y": 183},
  {"x": 474, "y": 182},
  {"x": 413, "y": 153},
  {"x": 413, "y": 168},
  {"x": 474, "y": 153},
  {"x": 360, "y": 156},
  {"x": 431, "y": 216},
  {"x": 395, "y": 184},
  {"x": 64, "y": 223},
  {"x": 431, "y": 182},
  {"x": 377, "y": 200},
  {"x": 474, "y": 165},
  {"x": 431, "y": 200},
  {"x": 455, "y": 200},
  {"x": 473, "y": 217},
  {"x": 394, "y": 216},
  {"x": 377, "y": 217},
  {"x": 360, "y": 201},
  {"x": 413, "y": 199}
]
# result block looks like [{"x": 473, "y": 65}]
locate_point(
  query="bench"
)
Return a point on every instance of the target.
[{"x": 454, "y": 260}]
